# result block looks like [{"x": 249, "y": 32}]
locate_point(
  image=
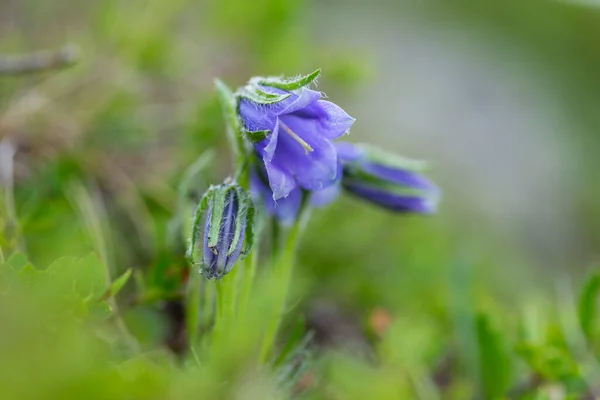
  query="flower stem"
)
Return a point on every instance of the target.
[
  {"x": 282, "y": 274},
  {"x": 250, "y": 263},
  {"x": 232, "y": 294},
  {"x": 220, "y": 315},
  {"x": 275, "y": 240}
]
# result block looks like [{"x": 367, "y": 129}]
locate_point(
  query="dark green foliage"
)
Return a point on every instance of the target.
[{"x": 494, "y": 361}]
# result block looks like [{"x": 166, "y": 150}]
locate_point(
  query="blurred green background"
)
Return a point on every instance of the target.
[{"x": 502, "y": 98}]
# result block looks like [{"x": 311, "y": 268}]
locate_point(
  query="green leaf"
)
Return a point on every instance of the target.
[
  {"x": 8, "y": 275},
  {"x": 255, "y": 136},
  {"x": 251, "y": 230},
  {"x": 298, "y": 338},
  {"x": 83, "y": 276},
  {"x": 192, "y": 309},
  {"x": 193, "y": 177},
  {"x": 117, "y": 285},
  {"x": 18, "y": 261},
  {"x": 29, "y": 275},
  {"x": 259, "y": 96},
  {"x": 234, "y": 126},
  {"x": 288, "y": 84},
  {"x": 100, "y": 309},
  {"x": 197, "y": 228},
  {"x": 494, "y": 361},
  {"x": 587, "y": 306}
]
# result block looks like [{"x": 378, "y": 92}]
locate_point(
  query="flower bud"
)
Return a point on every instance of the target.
[
  {"x": 226, "y": 212},
  {"x": 387, "y": 180}
]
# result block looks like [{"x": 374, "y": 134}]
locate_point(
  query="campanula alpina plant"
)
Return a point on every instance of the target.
[
  {"x": 292, "y": 129},
  {"x": 282, "y": 135},
  {"x": 387, "y": 180},
  {"x": 225, "y": 215}
]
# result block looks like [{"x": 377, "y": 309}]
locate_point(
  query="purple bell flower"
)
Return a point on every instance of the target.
[
  {"x": 384, "y": 179},
  {"x": 292, "y": 129}
]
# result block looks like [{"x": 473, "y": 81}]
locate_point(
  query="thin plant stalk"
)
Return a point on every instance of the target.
[
  {"x": 232, "y": 294},
  {"x": 250, "y": 265},
  {"x": 275, "y": 240},
  {"x": 219, "y": 327},
  {"x": 282, "y": 273}
]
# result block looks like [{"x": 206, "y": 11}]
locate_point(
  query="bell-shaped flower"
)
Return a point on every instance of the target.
[{"x": 292, "y": 128}]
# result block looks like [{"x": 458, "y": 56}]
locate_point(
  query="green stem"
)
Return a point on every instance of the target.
[
  {"x": 275, "y": 240},
  {"x": 207, "y": 308},
  {"x": 250, "y": 264},
  {"x": 220, "y": 317},
  {"x": 232, "y": 294},
  {"x": 192, "y": 308},
  {"x": 282, "y": 274}
]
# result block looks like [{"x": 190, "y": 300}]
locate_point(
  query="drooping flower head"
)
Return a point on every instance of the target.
[
  {"x": 225, "y": 215},
  {"x": 292, "y": 129},
  {"x": 385, "y": 179}
]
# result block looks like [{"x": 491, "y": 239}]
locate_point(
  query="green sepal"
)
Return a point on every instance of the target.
[
  {"x": 391, "y": 160},
  {"x": 197, "y": 222},
  {"x": 217, "y": 208},
  {"x": 368, "y": 181},
  {"x": 250, "y": 229},
  {"x": 241, "y": 215},
  {"x": 259, "y": 96},
  {"x": 287, "y": 84},
  {"x": 255, "y": 136},
  {"x": 357, "y": 175}
]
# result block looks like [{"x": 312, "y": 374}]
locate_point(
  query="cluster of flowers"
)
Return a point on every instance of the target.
[{"x": 289, "y": 132}]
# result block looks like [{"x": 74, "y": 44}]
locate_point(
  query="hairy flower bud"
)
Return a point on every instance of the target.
[
  {"x": 387, "y": 180},
  {"x": 225, "y": 214}
]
